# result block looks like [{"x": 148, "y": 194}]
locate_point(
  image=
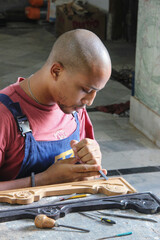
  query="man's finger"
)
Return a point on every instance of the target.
[
  {"x": 86, "y": 168},
  {"x": 68, "y": 161},
  {"x": 88, "y": 175},
  {"x": 87, "y": 158},
  {"x": 104, "y": 171},
  {"x": 73, "y": 143},
  {"x": 84, "y": 142}
]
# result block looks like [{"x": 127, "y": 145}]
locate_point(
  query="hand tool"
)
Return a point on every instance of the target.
[
  {"x": 78, "y": 196},
  {"x": 71, "y": 196},
  {"x": 103, "y": 220},
  {"x": 103, "y": 175},
  {"x": 117, "y": 235},
  {"x": 146, "y": 203},
  {"x": 127, "y": 216},
  {"x": 42, "y": 221},
  {"x": 59, "y": 199}
]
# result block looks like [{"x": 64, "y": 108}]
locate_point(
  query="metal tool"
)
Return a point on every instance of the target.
[
  {"x": 128, "y": 216},
  {"x": 103, "y": 175},
  {"x": 59, "y": 199},
  {"x": 117, "y": 235},
  {"x": 103, "y": 220},
  {"x": 68, "y": 197},
  {"x": 78, "y": 196},
  {"x": 42, "y": 221}
]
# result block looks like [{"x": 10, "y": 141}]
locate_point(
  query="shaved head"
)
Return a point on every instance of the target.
[{"x": 79, "y": 50}]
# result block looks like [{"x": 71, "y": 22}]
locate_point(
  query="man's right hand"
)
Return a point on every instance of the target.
[
  {"x": 60, "y": 172},
  {"x": 67, "y": 171}
]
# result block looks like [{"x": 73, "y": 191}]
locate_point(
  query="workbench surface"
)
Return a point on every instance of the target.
[{"x": 141, "y": 230}]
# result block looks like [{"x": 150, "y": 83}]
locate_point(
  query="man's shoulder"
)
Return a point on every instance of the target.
[
  {"x": 13, "y": 91},
  {"x": 9, "y": 90},
  {"x": 6, "y": 115}
]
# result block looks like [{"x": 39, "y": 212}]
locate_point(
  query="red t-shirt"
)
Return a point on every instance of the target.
[{"x": 48, "y": 123}]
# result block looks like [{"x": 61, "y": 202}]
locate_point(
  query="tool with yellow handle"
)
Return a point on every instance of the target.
[{"x": 42, "y": 221}]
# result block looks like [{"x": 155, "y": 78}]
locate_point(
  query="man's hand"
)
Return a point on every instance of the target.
[
  {"x": 87, "y": 151},
  {"x": 60, "y": 172},
  {"x": 67, "y": 171}
]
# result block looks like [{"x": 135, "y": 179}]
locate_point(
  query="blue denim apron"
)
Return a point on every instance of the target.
[{"x": 39, "y": 155}]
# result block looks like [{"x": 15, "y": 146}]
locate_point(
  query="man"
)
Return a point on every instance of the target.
[{"x": 44, "y": 126}]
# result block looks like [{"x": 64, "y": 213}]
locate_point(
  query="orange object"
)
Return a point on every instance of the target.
[
  {"x": 36, "y": 3},
  {"x": 32, "y": 13},
  {"x": 42, "y": 221}
]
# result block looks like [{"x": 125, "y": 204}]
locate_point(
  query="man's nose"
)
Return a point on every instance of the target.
[{"x": 89, "y": 98}]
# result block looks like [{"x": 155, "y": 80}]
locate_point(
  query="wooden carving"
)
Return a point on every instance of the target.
[{"x": 112, "y": 186}]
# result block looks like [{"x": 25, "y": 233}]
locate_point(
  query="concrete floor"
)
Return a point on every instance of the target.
[{"x": 23, "y": 49}]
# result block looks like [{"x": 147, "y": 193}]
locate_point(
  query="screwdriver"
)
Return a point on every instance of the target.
[
  {"x": 42, "y": 221},
  {"x": 127, "y": 216},
  {"x": 103, "y": 175},
  {"x": 103, "y": 219},
  {"x": 71, "y": 196}
]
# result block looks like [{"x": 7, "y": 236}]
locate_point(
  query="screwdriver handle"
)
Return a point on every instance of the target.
[
  {"x": 42, "y": 221},
  {"x": 124, "y": 234},
  {"x": 107, "y": 220}
]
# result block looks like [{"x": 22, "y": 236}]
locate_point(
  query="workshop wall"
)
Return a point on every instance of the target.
[
  {"x": 102, "y": 4},
  {"x": 147, "y": 88},
  {"x": 8, "y": 4},
  {"x": 12, "y": 10},
  {"x": 145, "y": 106}
]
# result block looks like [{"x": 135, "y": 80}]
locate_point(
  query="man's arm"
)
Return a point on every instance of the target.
[{"x": 60, "y": 172}]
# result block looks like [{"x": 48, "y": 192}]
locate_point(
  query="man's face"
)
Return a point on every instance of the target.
[{"x": 76, "y": 90}]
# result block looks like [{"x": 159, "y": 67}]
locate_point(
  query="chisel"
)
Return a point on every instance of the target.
[
  {"x": 103, "y": 175},
  {"x": 127, "y": 216}
]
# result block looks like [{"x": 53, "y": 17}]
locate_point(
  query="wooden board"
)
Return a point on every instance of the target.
[{"x": 112, "y": 186}]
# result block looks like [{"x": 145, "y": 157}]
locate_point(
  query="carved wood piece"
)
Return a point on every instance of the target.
[{"x": 112, "y": 186}]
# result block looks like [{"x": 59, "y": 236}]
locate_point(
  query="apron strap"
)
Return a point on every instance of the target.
[
  {"x": 15, "y": 109},
  {"x": 75, "y": 115}
]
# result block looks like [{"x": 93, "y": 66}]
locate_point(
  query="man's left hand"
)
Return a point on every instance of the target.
[{"x": 87, "y": 151}]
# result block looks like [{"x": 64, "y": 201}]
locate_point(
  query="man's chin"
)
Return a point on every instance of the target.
[
  {"x": 66, "y": 110},
  {"x": 69, "y": 110}
]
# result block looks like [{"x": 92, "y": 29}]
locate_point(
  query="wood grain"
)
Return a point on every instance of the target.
[{"x": 112, "y": 186}]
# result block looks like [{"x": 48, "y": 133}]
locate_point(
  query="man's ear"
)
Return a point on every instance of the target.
[{"x": 56, "y": 69}]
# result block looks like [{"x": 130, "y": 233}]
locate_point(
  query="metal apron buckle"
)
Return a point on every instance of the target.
[{"x": 23, "y": 125}]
